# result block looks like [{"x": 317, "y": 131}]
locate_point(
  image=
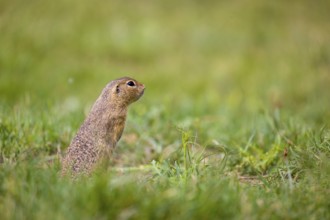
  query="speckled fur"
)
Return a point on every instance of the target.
[{"x": 102, "y": 129}]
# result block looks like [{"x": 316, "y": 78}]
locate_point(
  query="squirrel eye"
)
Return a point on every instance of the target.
[{"x": 130, "y": 83}]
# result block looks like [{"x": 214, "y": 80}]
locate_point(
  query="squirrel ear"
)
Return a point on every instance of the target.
[{"x": 117, "y": 89}]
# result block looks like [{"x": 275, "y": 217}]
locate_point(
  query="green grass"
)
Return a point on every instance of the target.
[{"x": 234, "y": 123}]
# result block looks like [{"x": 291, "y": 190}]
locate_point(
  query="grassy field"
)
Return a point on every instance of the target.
[{"x": 234, "y": 123}]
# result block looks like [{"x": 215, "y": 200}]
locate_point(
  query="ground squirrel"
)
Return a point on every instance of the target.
[{"x": 103, "y": 127}]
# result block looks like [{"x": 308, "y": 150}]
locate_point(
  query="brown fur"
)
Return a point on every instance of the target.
[{"x": 102, "y": 129}]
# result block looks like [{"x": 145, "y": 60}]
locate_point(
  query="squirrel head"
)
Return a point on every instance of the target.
[{"x": 124, "y": 91}]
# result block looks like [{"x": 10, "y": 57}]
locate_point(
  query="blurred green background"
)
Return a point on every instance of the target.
[{"x": 203, "y": 55}]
